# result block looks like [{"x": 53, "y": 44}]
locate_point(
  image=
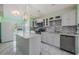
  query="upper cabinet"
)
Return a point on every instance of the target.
[
  {"x": 65, "y": 17},
  {"x": 69, "y": 18}
]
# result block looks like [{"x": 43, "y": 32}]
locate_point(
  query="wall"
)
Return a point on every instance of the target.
[
  {"x": 8, "y": 22},
  {"x": 1, "y": 15}
]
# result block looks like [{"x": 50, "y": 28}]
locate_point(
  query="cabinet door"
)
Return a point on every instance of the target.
[
  {"x": 53, "y": 39},
  {"x": 57, "y": 40},
  {"x": 44, "y": 37},
  {"x": 68, "y": 19},
  {"x": 47, "y": 38},
  {"x": 45, "y": 50}
]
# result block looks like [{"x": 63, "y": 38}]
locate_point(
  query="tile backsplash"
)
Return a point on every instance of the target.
[
  {"x": 50, "y": 29},
  {"x": 69, "y": 29},
  {"x": 56, "y": 26}
]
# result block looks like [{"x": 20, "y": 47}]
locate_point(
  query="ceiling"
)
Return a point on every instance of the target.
[
  {"x": 36, "y": 10},
  {"x": 39, "y": 10}
]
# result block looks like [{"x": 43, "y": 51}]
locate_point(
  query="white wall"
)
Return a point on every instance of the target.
[
  {"x": 7, "y": 31},
  {"x": 9, "y": 21}
]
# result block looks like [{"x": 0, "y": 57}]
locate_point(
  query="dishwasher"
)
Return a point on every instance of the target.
[{"x": 67, "y": 43}]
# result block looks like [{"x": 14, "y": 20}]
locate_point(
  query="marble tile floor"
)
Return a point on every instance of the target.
[
  {"x": 52, "y": 50},
  {"x": 10, "y": 49}
]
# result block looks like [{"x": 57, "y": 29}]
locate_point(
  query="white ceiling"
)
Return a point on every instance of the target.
[
  {"x": 39, "y": 10},
  {"x": 36, "y": 10}
]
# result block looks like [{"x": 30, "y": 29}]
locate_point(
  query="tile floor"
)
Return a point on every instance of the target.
[
  {"x": 52, "y": 50},
  {"x": 10, "y": 49}
]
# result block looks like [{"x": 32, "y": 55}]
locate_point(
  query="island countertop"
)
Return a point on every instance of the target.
[{"x": 26, "y": 36}]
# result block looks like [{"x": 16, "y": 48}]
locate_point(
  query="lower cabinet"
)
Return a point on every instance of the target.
[
  {"x": 51, "y": 38},
  {"x": 44, "y": 49},
  {"x": 57, "y": 40}
]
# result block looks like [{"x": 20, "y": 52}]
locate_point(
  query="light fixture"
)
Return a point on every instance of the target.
[{"x": 15, "y": 12}]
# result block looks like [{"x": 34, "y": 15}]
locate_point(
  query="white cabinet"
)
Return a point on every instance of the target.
[
  {"x": 51, "y": 38},
  {"x": 56, "y": 40},
  {"x": 44, "y": 37},
  {"x": 68, "y": 18},
  {"x": 47, "y": 38},
  {"x": 45, "y": 49}
]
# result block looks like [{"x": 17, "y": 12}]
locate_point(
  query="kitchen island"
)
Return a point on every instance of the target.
[{"x": 28, "y": 45}]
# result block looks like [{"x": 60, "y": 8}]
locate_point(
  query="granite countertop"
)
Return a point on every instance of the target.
[
  {"x": 26, "y": 36},
  {"x": 69, "y": 34},
  {"x": 22, "y": 35}
]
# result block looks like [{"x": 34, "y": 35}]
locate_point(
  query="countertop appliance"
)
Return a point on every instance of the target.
[{"x": 67, "y": 43}]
